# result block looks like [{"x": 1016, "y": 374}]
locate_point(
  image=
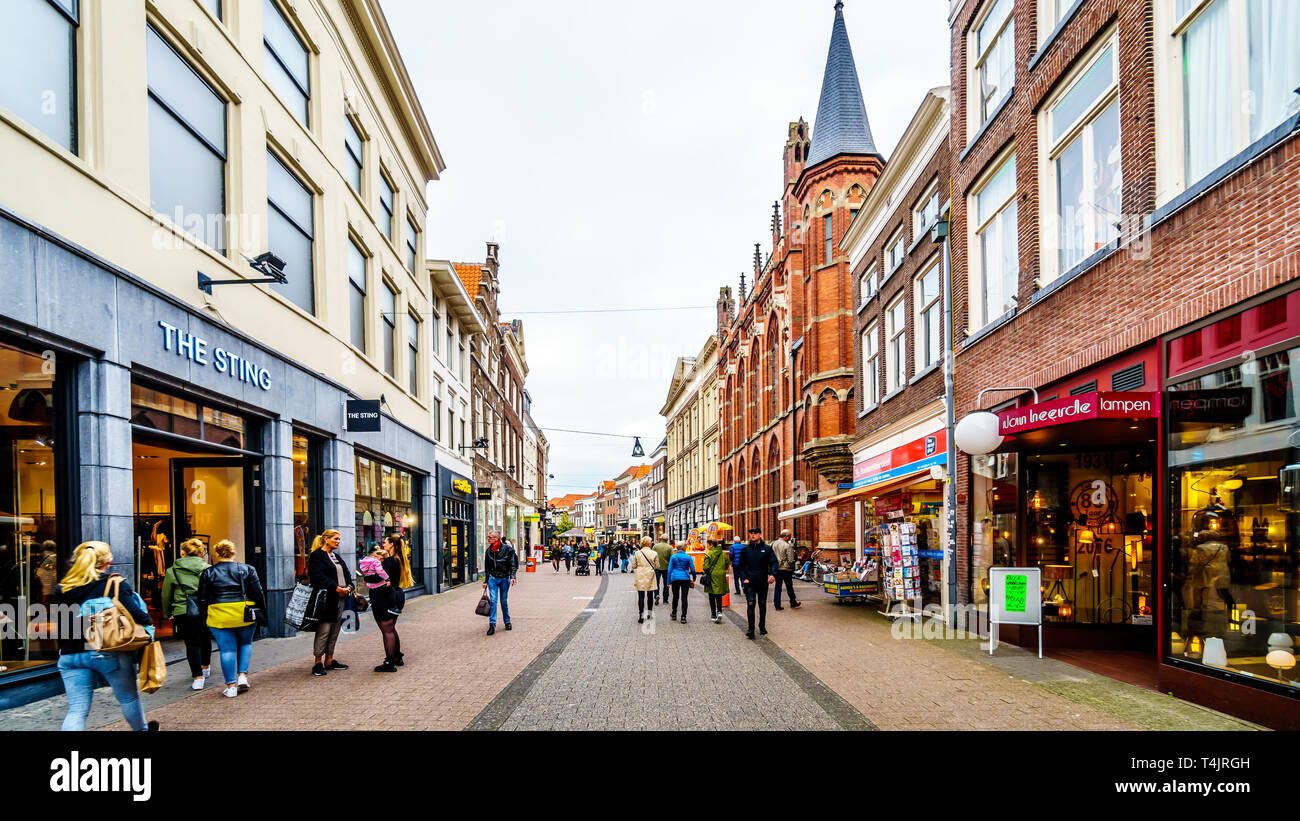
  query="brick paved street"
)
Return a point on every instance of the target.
[{"x": 577, "y": 659}]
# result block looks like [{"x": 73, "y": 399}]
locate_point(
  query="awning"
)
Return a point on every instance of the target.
[
  {"x": 806, "y": 510},
  {"x": 878, "y": 488}
]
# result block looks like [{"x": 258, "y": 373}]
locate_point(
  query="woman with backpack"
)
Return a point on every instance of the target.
[
  {"x": 180, "y": 587},
  {"x": 231, "y": 601},
  {"x": 644, "y": 564},
  {"x": 79, "y": 664}
]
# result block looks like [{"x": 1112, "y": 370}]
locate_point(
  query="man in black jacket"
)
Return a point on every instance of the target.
[
  {"x": 756, "y": 570},
  {"x": 501, "y": 564}
]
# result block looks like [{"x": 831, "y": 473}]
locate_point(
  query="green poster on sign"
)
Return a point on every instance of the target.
[{"x": 1016, "y": 587}]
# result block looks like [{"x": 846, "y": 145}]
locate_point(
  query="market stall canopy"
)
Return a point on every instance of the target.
[{"x": 806, "y": 510}]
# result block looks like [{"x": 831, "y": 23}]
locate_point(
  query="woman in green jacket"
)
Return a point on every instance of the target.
[
  {"x": 179, "y": 584},
  {"x": 714, "y": 578}
]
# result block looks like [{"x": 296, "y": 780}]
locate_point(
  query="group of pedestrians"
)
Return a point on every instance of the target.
[
  {"x": 221, "y": 602},
  {"x": 665, "y": 567}
]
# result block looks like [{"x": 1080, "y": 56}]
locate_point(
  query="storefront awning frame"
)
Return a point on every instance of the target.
[
  {"x": 879, "y": 488},
  {"x": 806, "y": 510}
]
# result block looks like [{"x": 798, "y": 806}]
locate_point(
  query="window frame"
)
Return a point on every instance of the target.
[
  {"x": 870, "y": 357},
  {"x": 311, "y": 235},
  {"x": 975, "y": 228},
  {"x": 70, "y": 12},
  {"x": 897, "y": 244},
  {"x": 268, "y": 49},
  {"x": 896, "y": 345},
  {"x": 350, "y": 124},
  {"x": 872, "y": 275},
  {"x": 364, "y": 289},
  {"x": 388, "y": 339},
  {"x": 412, "y": 257},
  {"x": 1051, "y": 248},
  {"x": 828, "y": 229},
  {"x": 414, "y": 327},
  {"x": 983, "y": 110},
  {"x": 920, "y": 212},
  {"x": 922, "y": 342},
  {"x": 388, "y": 209},
  {"x": 222, "y": 153}
]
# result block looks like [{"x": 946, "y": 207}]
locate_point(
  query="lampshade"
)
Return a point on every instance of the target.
[
  {"x": 1280, "y": 641},
  {"x": 1176, "y": 644},
  {"x": 977, "y": 433},
  {"x": 1215, "y": 655},
  {"x": 1280, "y": 660}
]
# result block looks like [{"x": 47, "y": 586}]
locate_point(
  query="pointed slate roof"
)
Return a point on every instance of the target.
[{"x": 841, "y": 126}]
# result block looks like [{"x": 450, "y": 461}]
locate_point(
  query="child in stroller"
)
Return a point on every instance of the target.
[{"x": 583, "y": 557}]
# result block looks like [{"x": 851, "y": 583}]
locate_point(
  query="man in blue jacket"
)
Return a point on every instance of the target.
[
  {"x": 757, "y": 569},
  {"x": 736, "y": 546}
]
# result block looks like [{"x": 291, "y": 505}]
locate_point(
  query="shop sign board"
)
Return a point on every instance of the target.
[
  {"x": 363, "y": 415},
  {"x": 1222, "y": 406},
  {"x": 196, "y": 349},
  {"x": 1015, "y": 598},
  {"x": 915, "y": 456},
  {"x": 1085, "y": 406}
]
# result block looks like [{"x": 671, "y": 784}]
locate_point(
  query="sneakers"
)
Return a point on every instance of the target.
[
  {"x": 318, "y": 669},
  {"x": 230, "y": 692},
  {"x": 207, "y": 671},
  {"x": 336, "y": 665},
  {"x": 242, "y": 683},
  {"x": 683, "y": 619},
  {"x": 492, "y": 629},
  {"x": 508, "y": 627},
  {"x": 386, "y": 667},
  {"x": 198, "y": 683}
]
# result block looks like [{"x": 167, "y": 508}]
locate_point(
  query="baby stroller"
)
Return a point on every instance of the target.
[{"x": 584, "y": 562}]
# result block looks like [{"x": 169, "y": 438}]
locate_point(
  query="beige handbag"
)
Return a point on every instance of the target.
[{"x": 112, "y": 629}]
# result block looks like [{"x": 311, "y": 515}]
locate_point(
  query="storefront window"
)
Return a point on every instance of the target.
[
  {"x": 386, "y": 502},
  {"x": 993, "y": 531},
  {"x": 1234, "y": 473},
  {"x": 29, "y": 532},
  {"x": 1088, "y": 526},
  {"x": 307, "y": 512}
]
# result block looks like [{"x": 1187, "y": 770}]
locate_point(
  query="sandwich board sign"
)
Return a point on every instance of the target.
[{"x": 1015, "y": 598}]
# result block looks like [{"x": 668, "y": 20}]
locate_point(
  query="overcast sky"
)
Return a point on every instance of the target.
[{"x": 627, "y": 155}]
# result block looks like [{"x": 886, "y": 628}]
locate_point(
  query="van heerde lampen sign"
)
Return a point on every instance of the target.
[{"x": 1127, "y": 405}]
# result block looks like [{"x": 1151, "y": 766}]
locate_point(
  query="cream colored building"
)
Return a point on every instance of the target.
[
  {"x": 691, "y": 413},
  {"x": 149, "y": 146}
]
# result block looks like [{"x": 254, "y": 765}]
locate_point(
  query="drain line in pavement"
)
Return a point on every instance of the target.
[
  {"x": 499, "y": 709},
  {"x": 844, "y": 713}
]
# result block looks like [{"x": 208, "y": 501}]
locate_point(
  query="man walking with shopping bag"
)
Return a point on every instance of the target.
[{"x": 501, "y": 564}]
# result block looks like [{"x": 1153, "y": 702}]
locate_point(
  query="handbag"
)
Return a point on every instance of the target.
[
  {"x": 295, "y": 614},
  {"x": 112, "y": 629},
  {"x": 153, "y": 668},
  {"x": 484, "y": 607},
  {"x": 191, "y": 607}
]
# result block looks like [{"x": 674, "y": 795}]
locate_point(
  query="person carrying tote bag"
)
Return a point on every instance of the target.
[
  {"x": 331, "y": 582},
  {"x": 232, "y": 603},
  {"x": 79, "y": 666},
  {"x": 644, "y": 564}
]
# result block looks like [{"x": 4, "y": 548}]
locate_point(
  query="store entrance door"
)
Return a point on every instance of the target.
[
  {"x": 209, "y": 502},
  {"x": 455, "y": 565}
]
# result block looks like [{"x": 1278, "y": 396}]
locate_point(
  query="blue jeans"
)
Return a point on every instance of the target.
[
  {"x": 235, "y": 645},
  {"x": 498, "y": 588},
  {"x": 79, "y": 671}
]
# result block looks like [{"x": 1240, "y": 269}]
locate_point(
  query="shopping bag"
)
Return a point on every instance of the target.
[
  {"x": 297, "y": 615},
  {"x": 153, "y": 668},
  {"x": 484, "y": 606}
]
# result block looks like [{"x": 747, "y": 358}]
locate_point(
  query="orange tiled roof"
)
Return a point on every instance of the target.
[{"x": 470, "y": 273}]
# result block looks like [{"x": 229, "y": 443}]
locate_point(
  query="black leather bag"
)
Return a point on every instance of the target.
[
  {"x": 484, "y": 607},
  {"x": 252, "y": 612}
]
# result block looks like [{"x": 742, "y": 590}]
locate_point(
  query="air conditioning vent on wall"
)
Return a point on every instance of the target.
[
  {"x": 1130, "y": 378},
  {"x": 1087, "y": 387}
]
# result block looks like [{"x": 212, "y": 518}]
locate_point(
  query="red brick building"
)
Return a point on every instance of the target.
[
  {"x": 785, "y": 361},
  {"x": 1122, "y": 222}
]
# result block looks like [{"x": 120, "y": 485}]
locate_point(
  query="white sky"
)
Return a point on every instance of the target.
[{"x": 627, "y": 155}]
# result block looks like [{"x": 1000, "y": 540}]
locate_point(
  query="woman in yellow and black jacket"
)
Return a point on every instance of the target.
[{"x": 232, "y": 604}]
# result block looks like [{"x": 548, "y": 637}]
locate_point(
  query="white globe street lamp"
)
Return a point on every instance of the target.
[{"x": 977, "y": 433}]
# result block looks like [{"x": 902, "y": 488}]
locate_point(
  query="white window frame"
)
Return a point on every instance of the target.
[
  {"x": 1050, "y": 263},
  {"x": 868, "y": 285},
  {"x": 895, "y": 252},
  {"x": 1050, "y": 14},
  {"x": 979, "y": 110},
  {"x": 923, "y": 215},
  {"x": 980, "y": 313},
  {"x": 1171, "y": 121},
  {"x": 870, "y": 367},
  {"x": 921, "y": 327},
  {"x": 896, "y": 345}
]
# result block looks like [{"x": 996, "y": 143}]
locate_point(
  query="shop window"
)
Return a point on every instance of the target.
[
  {"x": 307, "y": 492},
  {"x": 1234, "y": 469},
  {"x": 38, "y": 65},
  {"x": 171, "y": 414},
  {"x": 32, "y": 550},
  {"x": 1088, "y": 527},
  {"x": 386, "y": 504},
  {"x": 285, "y": 62},
  {"x": 187, "y": 145},
  {"x": 994, "y": 493}
]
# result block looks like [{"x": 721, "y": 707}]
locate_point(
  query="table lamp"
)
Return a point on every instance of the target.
[
  {"x": 1215, "y": 654},
  {"x": 1280, "y": 660}
]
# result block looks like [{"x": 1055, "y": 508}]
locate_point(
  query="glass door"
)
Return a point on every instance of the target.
[{"x": 210, "y": 502}]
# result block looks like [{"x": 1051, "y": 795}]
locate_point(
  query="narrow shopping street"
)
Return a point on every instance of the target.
[{"x": 578, "y": 660}]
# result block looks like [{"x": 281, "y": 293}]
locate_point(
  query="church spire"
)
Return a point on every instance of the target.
[{"x": 841, "y": 126}]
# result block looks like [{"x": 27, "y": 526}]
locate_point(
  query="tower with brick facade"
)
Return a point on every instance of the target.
[{"x": 785, "y": 363}]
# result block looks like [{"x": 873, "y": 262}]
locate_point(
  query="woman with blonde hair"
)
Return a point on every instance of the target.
[
  {"x": 231, "y": 601},
  {"x": 388, "y": 572},
  {"x": 79, "y": 665},
  {"x": 331, "y": 583},
  {"x": 644, "y": 578},
  {"x": 179, "y": 600}
]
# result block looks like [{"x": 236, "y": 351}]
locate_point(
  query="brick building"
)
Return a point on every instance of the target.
[
  {"x": 898, "y": 271},
  {"x": 785, "y": 353},
  {"x": 1168, "y": 529}
]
